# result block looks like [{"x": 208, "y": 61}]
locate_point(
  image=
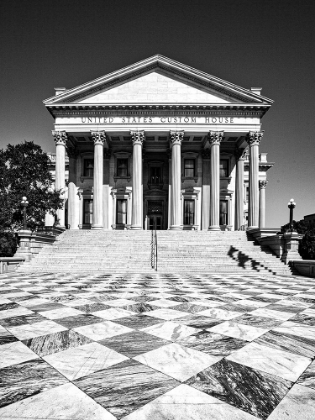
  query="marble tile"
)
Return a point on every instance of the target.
[
  {"x": 22, "y": 320},
  {"x": 6, "y": 337},
  {"x": 258, "y": 321},
  {"x": 219, "y": 313},
  {"x": 83, "y": 360},
  {"x": 8, "y": 306},
  {"x": 78, "y": 320},
  {"x": 14, "y": 353},
  {"x": 125, "y": 387},
  {"x": 236, "y": 330},
  {"x": 113, "y": 313},
  {"x": 212, "y": 343},
  {"x": 304, "y": 319},
  {"x": 187, "y": 403},
  {"x": 140, "y": 307},
  {"x": 60, "y": 313},
  {"x": 293, "y": 328},
  {"x": 138, "y": 321},
  {"x": 56, "y": 342},
  {"x": 197, "y": 321},
  {"x": 134, "y": 343},
  {"x": 37, "y": 329},
  {"x": 287, "y": 306},
  {"x": 166, "y": 313},
  {"x": 287, "y": 342},
  {"x": 119, "y": 302},
  {"x": 273, "y": 361},
  {"x": 25, "y": 379},
  {"x": 9, "y": 313},
  {"x": 164, "y": 303},
  {"x": 72, "y": 404},
  {"x": 308, "y": 376},
  {"x": 176, "y": 361},
  {"x": 268, "y": 313},
  {"x": 102, "y": 330},
  {"x": 170, "y": 330},
  {"x": 298, "y": 404},
  {"x": 46, "y": 307},
  {"x": 33, "y": 302},
  {"x": 250, "y": 390},
  {"x": 191, "y": 307}
]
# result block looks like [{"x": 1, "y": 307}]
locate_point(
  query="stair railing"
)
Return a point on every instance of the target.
[{"x": 154, "y": 256}]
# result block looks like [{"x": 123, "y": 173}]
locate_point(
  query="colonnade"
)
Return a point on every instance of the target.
[{"x": 256, "y": 207}]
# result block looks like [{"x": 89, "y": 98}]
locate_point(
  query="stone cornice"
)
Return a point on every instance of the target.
[
  {"x": 166, "y": 66},
  {"x": 158, "y": 110}
]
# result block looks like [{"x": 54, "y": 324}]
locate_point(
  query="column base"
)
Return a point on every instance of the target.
[
  {"x": 97, "y": 227},
  {"x": 176, "y": 227},
  {"x": 214, "y": 228},
  {"x": 136, "y": 227}
]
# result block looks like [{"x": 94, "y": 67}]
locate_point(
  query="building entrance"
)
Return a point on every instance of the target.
[{"x": 155, "y": 215}]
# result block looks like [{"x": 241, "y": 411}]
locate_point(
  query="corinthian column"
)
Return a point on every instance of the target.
[
  {"x": 253, "y": 140},
  {"x": 239, "y": 216},
  {"x": 176, "y": 210},
  {"x": 99, "y": 139},
  {"x": 262, "y": 203},
  {"x": 60, "y": 138},
  {"x": 215, "y": 138},
  {"x": 137, "y": 138}
]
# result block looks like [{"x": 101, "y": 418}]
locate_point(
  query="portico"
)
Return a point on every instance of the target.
[{"x": 160, "y": 145}]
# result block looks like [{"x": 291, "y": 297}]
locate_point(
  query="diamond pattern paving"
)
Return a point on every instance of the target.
[{"x": 173, "y": 347}]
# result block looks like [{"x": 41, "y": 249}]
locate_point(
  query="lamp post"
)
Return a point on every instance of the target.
[
  {"x": 24, "y": 204},
  {"x": 291, "y": 206}
]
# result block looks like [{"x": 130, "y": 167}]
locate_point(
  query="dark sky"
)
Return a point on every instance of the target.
[{"x": 270, "y": 44}]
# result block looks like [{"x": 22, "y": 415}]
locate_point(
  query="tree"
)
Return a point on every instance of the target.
[{"x": 24, "y": 171}]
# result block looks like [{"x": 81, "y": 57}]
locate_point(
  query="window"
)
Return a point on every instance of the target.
[
  {"x": 189, "y": 168},
  {"x": 122, "y": 167},
  {"x": 121, "y": 211},
  {"x": 88, "y": 210},
  {"x": 224, "y": 168},
  {"x": 88, "y": 167},
  {"x": 189, "y": 212},
  {"x": 155, "y": 175},
  {"x": 223, "y": 212}
]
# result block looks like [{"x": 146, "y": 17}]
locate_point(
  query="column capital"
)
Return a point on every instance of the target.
[
  {"x": 254, "y": 138},
  {"x": 98, "y": 137},
  {"x": 215, "y": 137},
  {"x": 137, "y": 137},
  {"x": 240, "y": 154},
  {"x": 176, "y": 137},
  {"x": 263, "y": 184},
  {"x": 60, "y": 137}
]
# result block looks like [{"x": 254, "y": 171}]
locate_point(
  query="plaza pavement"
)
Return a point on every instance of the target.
[{"x": 173, "y": 347}]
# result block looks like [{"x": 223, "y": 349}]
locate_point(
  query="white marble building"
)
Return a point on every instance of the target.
[{"x": 160, "y": 144}]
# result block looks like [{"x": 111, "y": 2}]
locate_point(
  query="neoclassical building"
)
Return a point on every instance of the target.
[{"x": 161, "y": 145}]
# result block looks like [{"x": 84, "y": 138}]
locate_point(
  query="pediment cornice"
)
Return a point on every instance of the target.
[{"x": 166, "y": 67}]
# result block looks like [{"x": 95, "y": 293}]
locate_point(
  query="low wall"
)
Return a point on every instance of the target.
[
  {"x": 304, "y": 267},
  {"x": 9, "y": 264}
]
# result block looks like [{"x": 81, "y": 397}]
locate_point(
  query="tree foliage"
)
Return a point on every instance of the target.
[{"x": 24, "y": 171}]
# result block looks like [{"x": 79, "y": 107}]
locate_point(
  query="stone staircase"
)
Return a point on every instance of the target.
[{"x": 103, "y": 251}]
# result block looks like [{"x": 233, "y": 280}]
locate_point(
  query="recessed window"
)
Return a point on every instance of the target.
[
  {"x": 189, "y": 168},
  {"x": 122, "y": 167},
  {"x": 88, "y": 210},
  {"x": 121, "y": 211},
  {"x": 189, "y": 212},
  {"x": 223, "y": 212},
  {"x": 224, "y": 168},
  {"x": 88, "y": 167}
]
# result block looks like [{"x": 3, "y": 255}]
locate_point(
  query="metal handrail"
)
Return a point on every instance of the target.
[{"x": 154, "y": 255}]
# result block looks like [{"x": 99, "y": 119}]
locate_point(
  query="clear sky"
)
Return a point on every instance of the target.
[{"x": 261, "y": 43}]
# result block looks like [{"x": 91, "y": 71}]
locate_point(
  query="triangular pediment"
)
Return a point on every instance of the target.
[
  {"x": 154, "y": 88},
  {"x": 157, "y": 80}
]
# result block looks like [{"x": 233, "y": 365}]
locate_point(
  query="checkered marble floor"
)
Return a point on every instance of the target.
[{"x": 171, "y": 347}]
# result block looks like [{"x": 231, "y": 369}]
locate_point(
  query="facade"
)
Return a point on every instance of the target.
[{"x": 160, "y": 145}]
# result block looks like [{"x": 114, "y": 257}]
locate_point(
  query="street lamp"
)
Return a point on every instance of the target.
[
  {"x": 291, "y": 205},
  {"x": 24, "y": 204}
]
